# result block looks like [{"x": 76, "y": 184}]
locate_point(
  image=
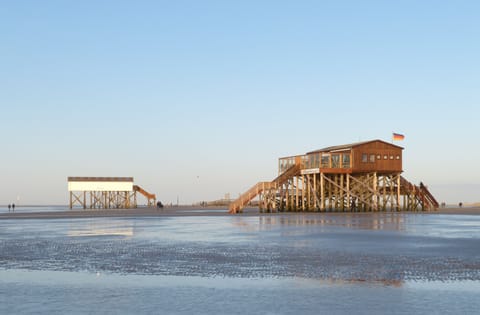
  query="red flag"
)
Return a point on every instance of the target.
[{"x": 398, "y": 137}]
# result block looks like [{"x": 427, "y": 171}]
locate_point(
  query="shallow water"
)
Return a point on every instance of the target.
[
  {"x": 65, "y": 292},
  {"x": 280, "y": 264}
]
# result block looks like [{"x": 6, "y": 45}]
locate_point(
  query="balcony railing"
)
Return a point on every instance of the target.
[{"x": 328, "y": 160}]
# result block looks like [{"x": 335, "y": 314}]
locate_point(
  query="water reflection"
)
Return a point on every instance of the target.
[
  {"x": 84, "y": 293},
  {"x": 387, "y": 221},
  {"x": 339, "y": 282},
  {"x": 82, "y": 228}
]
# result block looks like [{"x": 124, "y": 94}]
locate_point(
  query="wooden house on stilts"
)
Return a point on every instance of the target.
[{"x": 363, "y": 176}]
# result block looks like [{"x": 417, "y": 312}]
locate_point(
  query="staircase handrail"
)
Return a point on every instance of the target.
[
  {"x": 429, "y": 195},
  {"x": 259, "y": 187}
]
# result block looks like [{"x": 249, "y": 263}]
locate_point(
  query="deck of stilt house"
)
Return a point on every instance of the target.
[
  {"x": 106, "y": 193},
  {"x": 362, "y": 176}
]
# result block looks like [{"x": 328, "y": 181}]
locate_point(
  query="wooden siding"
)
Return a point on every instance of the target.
[
  {"x": 380, "y": 157},
  {"x": 370, "y": 156}
]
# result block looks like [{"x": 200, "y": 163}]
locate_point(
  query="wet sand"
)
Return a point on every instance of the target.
[
  {"x": 204, "y": 261},
  {"x": 347, "y": 247},
  {"x": 92, "y": 213},
  {"x": 188, "y": 211},
  {"x": 463, "y": 210}
]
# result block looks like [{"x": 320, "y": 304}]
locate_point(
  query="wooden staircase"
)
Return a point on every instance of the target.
[
  {"x": 432, "y": 202},
  {"x": 150, "y": 197},
  {"x": 238, "y": 204},
  {"x": 420, "y": 193}
]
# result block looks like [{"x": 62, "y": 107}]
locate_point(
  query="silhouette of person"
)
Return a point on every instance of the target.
[
  {"x": 354, "y": 204},
  {"x": 13, "y": 207},
  {"x": 9, "y": 206}
]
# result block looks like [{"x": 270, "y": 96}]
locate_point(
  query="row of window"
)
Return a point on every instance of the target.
[
  {"x": 333, "y": 160},
  {"x": 327, "y": 160},
  {"x": 285, "y": 163},
  {"x": 366, "y": 158}
]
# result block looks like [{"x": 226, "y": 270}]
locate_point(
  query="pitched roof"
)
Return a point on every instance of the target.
[
  {"x": 100, "y": 179},
  {"x": 345, "y": 147}
]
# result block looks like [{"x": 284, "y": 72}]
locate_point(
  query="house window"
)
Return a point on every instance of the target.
[
  {"x": 316, "y": 160},
  {"x": 379, "y": 157},
  {"x": 372, "y": 158},
  {"x": 346, "y": 160},
  {"x": 391, "y": 157},
  {"x": 385, "y": 157},
  {"x": 364, "y": 157},
  {"x": 309, "y": 161},
  {"x": 335, "y": 160},
  {"x": 325, "y": 160},
  {"x": 398, "y": 157}
]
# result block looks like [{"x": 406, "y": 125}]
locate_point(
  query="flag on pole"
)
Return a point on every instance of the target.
[{"x": 398, "y": 137}]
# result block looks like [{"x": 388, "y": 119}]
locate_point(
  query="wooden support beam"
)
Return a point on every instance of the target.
[
  {"x": 398, "y": 192},
  {"x": 322, "y": 192},
  {"x": 348, "y": 188},
  {"x": 296, "y": 193},
  {"x": 330, "y": 193},
  {"x": 303, "y": 192},
  {"x": 375, "y": 196},
  {"x": 307, "y": 186},
  {"x": 342, "y": 195},
  {"x": 385, "y": 197}
]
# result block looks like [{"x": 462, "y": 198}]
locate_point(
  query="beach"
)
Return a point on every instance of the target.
[
  {"x": 202, "y": 260},
  {"x": 63, "y": 212}
]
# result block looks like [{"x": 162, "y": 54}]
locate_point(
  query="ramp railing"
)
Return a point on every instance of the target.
[
  {"x": 259, "y": 187},
  {"x": 150, "y": 197},
  {"x": 421, "y": 193}
]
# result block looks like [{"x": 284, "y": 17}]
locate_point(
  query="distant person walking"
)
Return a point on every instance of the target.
[
  {"x": 9, "y": 206},
  {"x": 13, "y": 207},
  {"x": 353, "y": 206},
  {"x": 159, "y": 205}
]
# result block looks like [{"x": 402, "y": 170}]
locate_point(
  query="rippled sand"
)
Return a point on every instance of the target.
[{"x": 360, "y": 247}]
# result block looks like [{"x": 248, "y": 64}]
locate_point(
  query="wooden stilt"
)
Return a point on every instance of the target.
[
  {"x": 398, "y": 192},
  {"x": 348, "y": 189},
  {"x": 322, "y": 193},
  {"x": 342, "y": 195}
]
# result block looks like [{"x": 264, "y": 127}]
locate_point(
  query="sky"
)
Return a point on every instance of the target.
[{"x": 198, "y": 99}]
